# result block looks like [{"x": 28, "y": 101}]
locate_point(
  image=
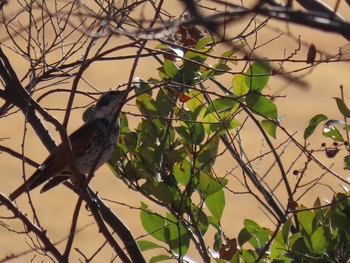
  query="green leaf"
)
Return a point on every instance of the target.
[
  {"x": 191, "y": 66},
  {"x": 249, "y": 256},
  {"x": 258, "y": 75},
  {"x": 130, "y": 140},
  {"x": 244, "y": 236},
  {"x": 259, "y": 235},
  {"x": 216, "y": 203},
  {"x": 147, "y": 245},
  {"x": 146, "y": 104},
  {"x": 165, "y": 102},
  {"x": 320, "y": 239},
  {"x": 182, "y": 172},
  {"x": 209, "y": 185},
  {"x": 175, "y": 156},
  {"x": 285, "y": 231},
  {"x": 142, "y": 87},
  {"x": 226, "y": 56},
  {"x": 184, "y": 132},
  {"x": 195, "y": 103},
  {"x": 313, "y": 124},
  {"x": 211, "y": 122},
  {"x": 177, "y": 236},
  {"x": 332, "y": 132},
  {"x": 209, "y": 152},
  {"x": 278, "y": 250},
  {"x": 342, "y": 107},
  {"x": 170, "y": 68},
  {"x": 261, "y": 105},
  {"x": 147, "y": 153},
  {"x": 347, "y": 162},
  {"x": 224, "y": 104},
  {"x": 204, "y": 41},
  {"x": 197, "y": 133},
  {"x": 235, "y": 258},
  {"x": 227, "y": 125},
  {"x": 294, "y": 238},
  {"x": 270, "y": 127},
  {"x": 219, "y": 115},
  {"x": 305, "y": 219},
  {"x": 148, "y": 131},
  {"x": 154, "y": 224},
  {"x": 239, "y": 85},
  {"x": 223, "y": 68},
  {"x": 202, "y": 221},
  {"x": 159, "y": 190},
  {"x": 159, "y": 258},
  {"x": 217, "y": 240}
]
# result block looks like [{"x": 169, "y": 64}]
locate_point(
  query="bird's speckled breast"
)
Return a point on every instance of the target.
[{"x": 97, "y": 142}]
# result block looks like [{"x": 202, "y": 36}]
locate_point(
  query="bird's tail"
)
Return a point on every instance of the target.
[
  {"x": 28, "y": 185},
  {"x": 20, "y": 190}
]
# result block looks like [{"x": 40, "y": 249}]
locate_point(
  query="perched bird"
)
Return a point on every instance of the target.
[{"x": 86, "y": 142}]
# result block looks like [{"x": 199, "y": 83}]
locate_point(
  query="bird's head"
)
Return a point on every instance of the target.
[{"x": 108, "y": 104}]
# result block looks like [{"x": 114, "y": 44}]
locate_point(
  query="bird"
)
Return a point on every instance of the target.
[{"x": 86, "y": 142}]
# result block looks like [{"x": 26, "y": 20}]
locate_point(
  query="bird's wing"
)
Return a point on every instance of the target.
[{"x": 57, "y": 161}]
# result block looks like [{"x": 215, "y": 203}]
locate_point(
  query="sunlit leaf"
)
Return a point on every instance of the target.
[
  {"x": 227, "y": 125},
  {"x": 147, "y": 245},
  {"x": 278, "y": 250},
  {"x": 320, "y": 239},
  {"x": 177, "y": 236},
  {"x": 222, "y": 104},
  {"x": 160, "y": 258},
  {"x": 270, "y": 127},
  {"x": 195, "y": 101},
  {"x": 154, "y": 224},
  {"x": 216, "y": 203},
  {"x": 342, "y": 107},
  {"x": 259, "y": 235},
  {"x": 261, "y": 105},
  {"x": 170, "y": 68},
  {"x": 227, "y": 56},
  {"x": 305, "y": 219},
  {"x": 249, "y": 256},
  {"x": 211, "y": 122},
  {"x": 209, "y": 185},
  {"x": 258, "y": 75},
  {"x": 285, "y": 231},
  {"x": 239, "y": 85},
  {"x": 332, "y": 132},
  {"x": 182, "y": 172},
  {"x": 204, "y": 41},
  {"x": 313, "y": 124}
]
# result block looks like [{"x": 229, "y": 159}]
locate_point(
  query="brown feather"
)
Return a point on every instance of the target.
[{"x": 57, "y": 162}]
